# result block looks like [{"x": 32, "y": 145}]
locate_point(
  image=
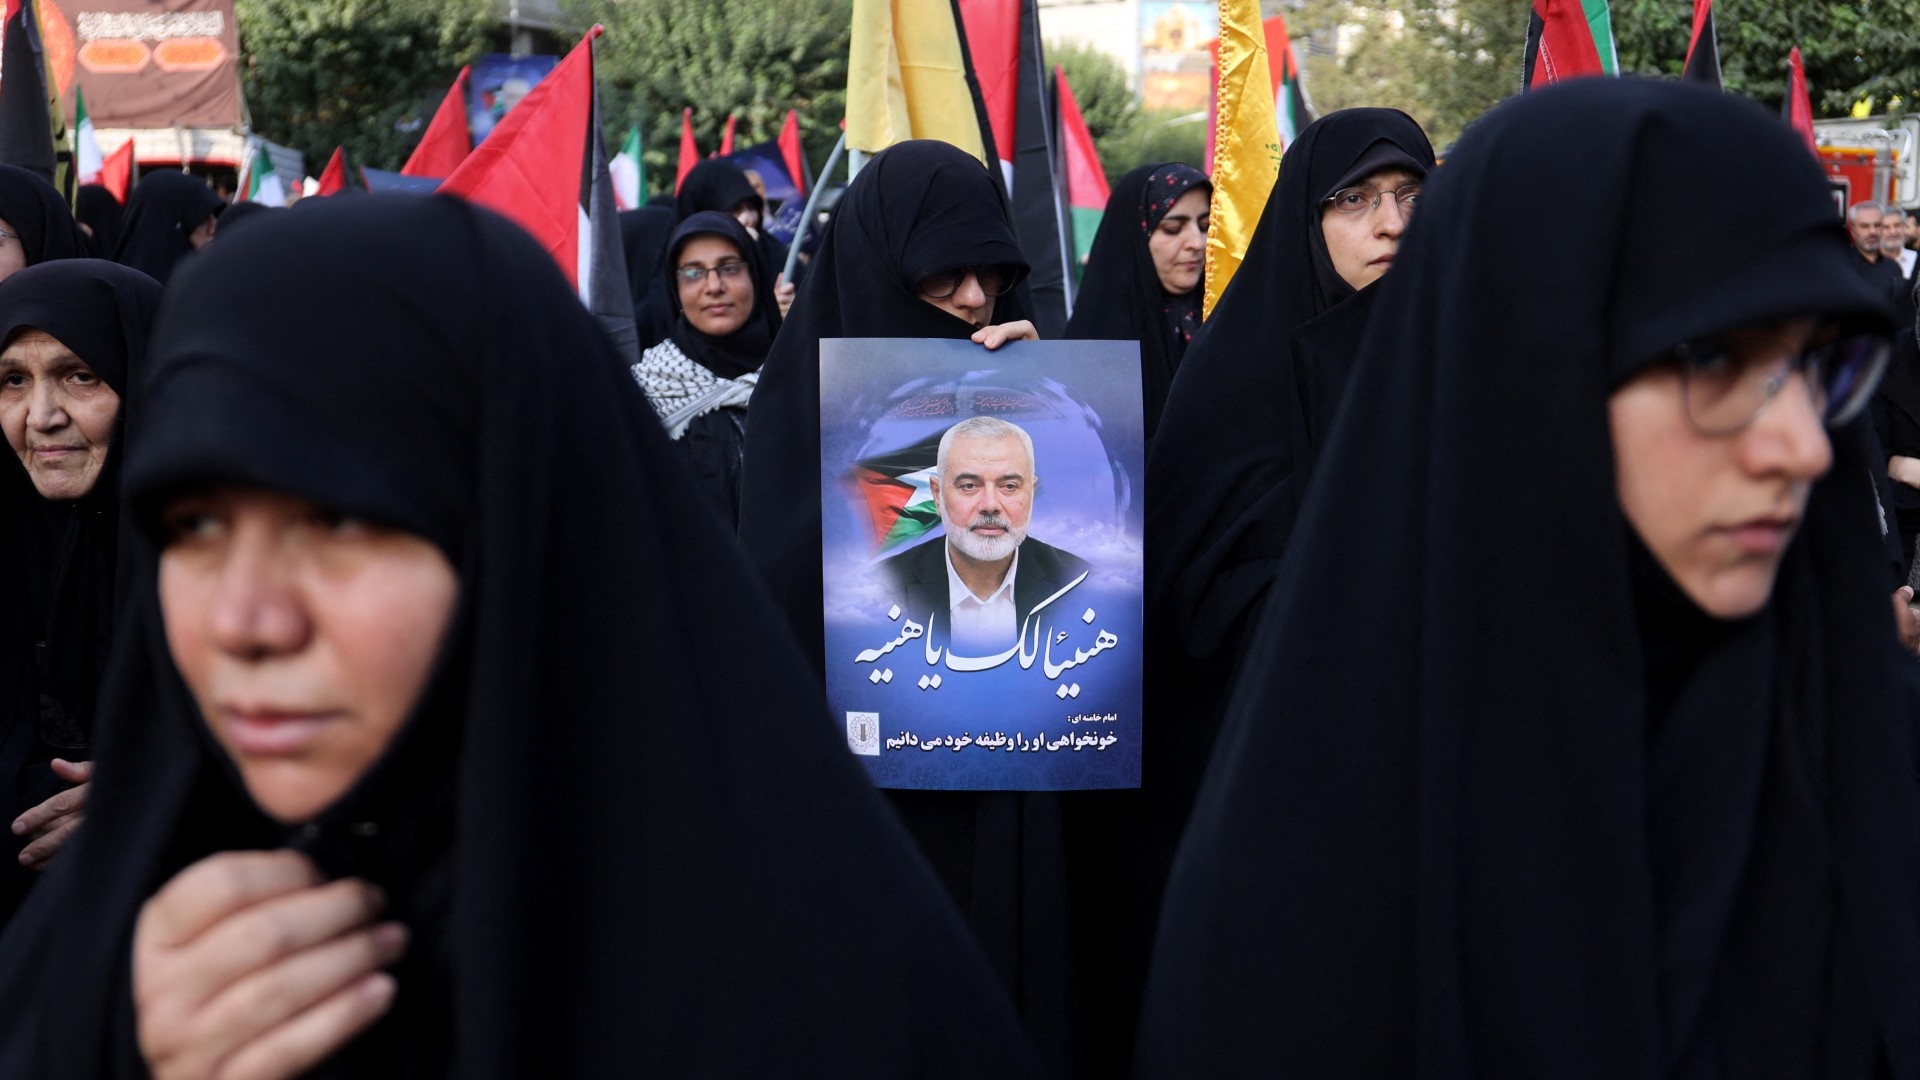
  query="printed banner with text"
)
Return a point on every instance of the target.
[{"x": 981, "y": 530}]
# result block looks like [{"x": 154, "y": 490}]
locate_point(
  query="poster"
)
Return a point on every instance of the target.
[
  {"x": 980, "y": 527},
  {"x": 1176, "y": 67},
  {"x": 497, "y": 83},
  {"x": 145, "y": 63}
]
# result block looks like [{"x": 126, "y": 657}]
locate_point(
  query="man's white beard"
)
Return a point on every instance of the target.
[{"x": 985, "y": 548}]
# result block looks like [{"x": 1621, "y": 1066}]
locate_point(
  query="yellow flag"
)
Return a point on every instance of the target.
[
  {"x": 1246, "y": 156},
  {"x": 907, "y": 77},
  {"x": 1863, "y": 108}
]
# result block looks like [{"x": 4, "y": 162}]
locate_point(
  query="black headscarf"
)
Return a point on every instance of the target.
[
  {"x": 916, "y": 208},
  {"x": 241, "y": 213},
  {"x": 97, "y": 209},
  {"x": 38, "y": 214},
  {"x": 162, "y": 213},
  {"x": 716, "y": 184},
  {"x": 643, "y": 234},
  {"x": 57, "y": 585},
  {"x": 745, "y": 349},
  {"x": 1493, "y": 797},
  {"x": 1121, "y": 298},
  {"x": 609, "y": 859}
]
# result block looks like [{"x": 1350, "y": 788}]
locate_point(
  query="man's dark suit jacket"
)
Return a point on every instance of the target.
[{"x": 919, "y": 580}]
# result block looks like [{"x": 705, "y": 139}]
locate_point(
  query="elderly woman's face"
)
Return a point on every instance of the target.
[
  {"x": 58, "y": 415},
  {"x": 1718, "y": 510},
  {"x": 305, "y": 638}
]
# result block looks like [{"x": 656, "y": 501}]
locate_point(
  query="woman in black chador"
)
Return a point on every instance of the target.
[
  {"x": 921, "y": 247},
  {"x": 1227, "y": 470},
  {"x": 701, "y": 377},
  {"x": 38, "y": 224},
  {"x": 466, "y": 746},
  {"x": 1146, "y": 272},
  {"x": 170, "y": 215},
  {"x": 72, "y": 337},
  {"x": 1575, "y": 739}
]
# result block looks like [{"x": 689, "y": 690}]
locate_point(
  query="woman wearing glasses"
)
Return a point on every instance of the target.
[
  {"x": 700, "y": 378},
  {"x": 1575, "y": 739},
  {"x": 1229, "y": 465}
]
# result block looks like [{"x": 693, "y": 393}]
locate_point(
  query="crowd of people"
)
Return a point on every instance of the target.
[{"x": 399, "y": 682}]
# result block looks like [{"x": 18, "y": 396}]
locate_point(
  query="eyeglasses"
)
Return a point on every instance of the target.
[
  {"x": 697, "y": 275},
  {"x": 941, "y": 284},
  {"x": 1365, "y": 200},
  {"x": 1723, "y": 392}
]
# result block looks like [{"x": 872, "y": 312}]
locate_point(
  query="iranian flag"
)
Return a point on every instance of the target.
[
  {"x": 261, "y": 184},
  {"x": 86, "y": 147},
  {"x": 629, "y": 173},
  {"x": 1087, "y": 190},
  {"x": 896, "y": 488}
]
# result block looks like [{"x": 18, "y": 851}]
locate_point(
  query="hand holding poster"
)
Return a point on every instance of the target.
[{"x": 982, "y": 562}]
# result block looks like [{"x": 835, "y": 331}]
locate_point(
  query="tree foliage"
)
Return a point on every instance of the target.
[
  {"x": 1448, "y": 61},
  {"x": 364, "y": 74},
  {"x": 752, "y": 58},
  {"x": 1123, "y": 133}
]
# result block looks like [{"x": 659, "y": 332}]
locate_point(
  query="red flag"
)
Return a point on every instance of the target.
[
  {"x": 726, "y": 137},
  {"x": 532, "y": 165},
  {"x": 116, "y": 172},
  {"x": 791, "y": 151},
  {"x": 333, "y": 178},
  {"x": 1559, "y": 44},
  {"x": 1799, "y": 106},
  {"x": 1703, "y": 51},
  {"x": 689, "y": 150},
  {"x": 993, "y": 43},
  {"x": 447, "y": 141}
]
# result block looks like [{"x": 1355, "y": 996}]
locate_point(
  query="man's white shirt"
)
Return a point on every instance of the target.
[
  {"x": 1906, "y": 260},
  {"x": 981, "y": 627}
]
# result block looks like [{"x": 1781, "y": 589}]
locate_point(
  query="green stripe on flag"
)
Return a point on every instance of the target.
[{"x": 1600, "y": 24}]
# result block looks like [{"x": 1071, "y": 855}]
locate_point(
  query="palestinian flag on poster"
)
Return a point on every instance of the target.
[
  {"x": 260, "y": 184},
  {"x": 1703, "y": 51},
  {"x": 1087, "y": 190},
  {"x": 896, "y": 488},
  {"x": 1568, "y": 39},
  {"x": 629, "y": 173},
  {"x": 545, "y": 166},
  {"x": 87, "y": 159},
  {"x": 1291, "y": 109}
]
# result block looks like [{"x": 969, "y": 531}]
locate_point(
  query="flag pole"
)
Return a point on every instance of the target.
[{"x": 813, "y": 200}]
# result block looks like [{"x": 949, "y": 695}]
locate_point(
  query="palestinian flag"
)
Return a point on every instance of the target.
[
  {"x": 545, "y": 166},
  {"x": 333, "y": 178},
  {"x": 447, "y": 141},
  {"x": 794, "y": 155},
  {"x": 116, "y": 173},
  {"x": 896, "y": 490},
  {"x": 1290, "y": 106},
  {"x": 629, "y": 173},
  {"x": 1087, "y": 190},
  {"x": 1003, "y": 48},
  {"x": 1797, "y": 109},
  {"x": 1703, "y": 52},
  {"x": 689, "y": 150},
  {"x": 258, "y": 182},
  {"x": 26, "y": 124},
  {"x": 1568, "y": 39},
  {"x": 87, "y": 159}
]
